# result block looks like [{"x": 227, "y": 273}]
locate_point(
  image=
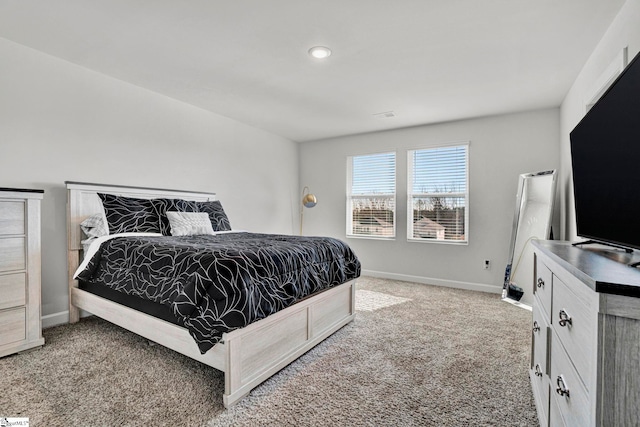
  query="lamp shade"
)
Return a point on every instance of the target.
[{"x": 309, "y": 200}]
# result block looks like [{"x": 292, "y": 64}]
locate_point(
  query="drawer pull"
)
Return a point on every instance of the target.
[
  {"x": 536, "y": 327},
  {"x": 540, "y": 282},
  {"x": 538, "y": 371},
  {"x": 564, "y": 318},
  {"x": 562, "y": 388}
]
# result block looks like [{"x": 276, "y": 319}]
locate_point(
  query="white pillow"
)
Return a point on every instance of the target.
[
  {"x": 189, "y": 223},
  {"x": 95, "y": 226}
]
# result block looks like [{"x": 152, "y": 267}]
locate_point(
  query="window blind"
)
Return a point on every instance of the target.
[
  {"x": 371, "y": 191},
  {"x": 438, "y": 196}
]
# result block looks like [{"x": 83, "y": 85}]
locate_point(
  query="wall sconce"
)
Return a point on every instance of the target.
[{"x": 308, "y": 201}]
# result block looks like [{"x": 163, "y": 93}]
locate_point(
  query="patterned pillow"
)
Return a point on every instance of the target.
[
  {"x": 189, "y": 223},
  {"x": 162, "y": 206},
  {"x": 218, "y": 217},
  {"x": 129, "y": 215}
]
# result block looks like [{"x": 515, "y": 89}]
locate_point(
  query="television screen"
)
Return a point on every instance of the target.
[{"x": 605, "y": 153}]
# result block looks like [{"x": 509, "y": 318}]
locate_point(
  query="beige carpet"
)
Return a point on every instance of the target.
[{"x": 416, "y": 355}]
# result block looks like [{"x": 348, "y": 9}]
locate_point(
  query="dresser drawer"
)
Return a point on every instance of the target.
[
  {"x": 539, "y": 339},
  {"x": 555, "y": 417},
  {"x": 11, "y": 217},
  {"x": 539, "y": 367},
  {"x": 542, "y": 286},
  {"x": 13, "y": 289},
  {"x": 12, "y": 254},
  {"x": 12, "y": 325},
  {"x": 540, "y": 387},
  {"x": 574, "y": 406},
  {"x": 575, "y": 325}
]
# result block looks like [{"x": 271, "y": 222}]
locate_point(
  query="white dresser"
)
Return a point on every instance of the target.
[
  {"x": 585, "y": 357},
  {"x": 20, "y": 319}
]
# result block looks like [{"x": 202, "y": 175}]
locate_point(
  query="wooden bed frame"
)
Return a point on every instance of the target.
[{"x": 247, "y": 356}]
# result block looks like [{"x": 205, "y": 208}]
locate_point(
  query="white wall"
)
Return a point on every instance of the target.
[
  {"x": 501, "y": 148},
  {"x": 624, "y": 31},
  {"x": 60, "y": 122}
]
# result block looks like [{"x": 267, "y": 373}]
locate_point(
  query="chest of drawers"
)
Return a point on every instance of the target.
[
  {"x": 20, "y": 318},
  {"x": 585, "y": 359}
]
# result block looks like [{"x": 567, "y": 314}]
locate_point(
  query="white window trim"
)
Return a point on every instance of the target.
[
  {"x": 411, "y": 195},
  {"x": 349, "y": 195}
]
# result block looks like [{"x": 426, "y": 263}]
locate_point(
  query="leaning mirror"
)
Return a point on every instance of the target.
[{"x": 532, "y": 220}]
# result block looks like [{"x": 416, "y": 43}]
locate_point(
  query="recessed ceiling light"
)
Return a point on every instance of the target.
[{"x": 320, "y": 52}]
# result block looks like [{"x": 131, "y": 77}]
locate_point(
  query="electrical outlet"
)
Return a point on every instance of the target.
[{"x": 487, "y": 264}]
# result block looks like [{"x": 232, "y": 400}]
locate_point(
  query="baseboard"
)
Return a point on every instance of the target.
[
  {"x": 55, "y": 319},
  {"x": 518, "y": 304},
  {"x": 481, "y": 287},
  {"x": 60, "y": 318}
]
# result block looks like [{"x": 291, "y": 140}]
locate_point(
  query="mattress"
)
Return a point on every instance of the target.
[{"x": 214, "y": 284}]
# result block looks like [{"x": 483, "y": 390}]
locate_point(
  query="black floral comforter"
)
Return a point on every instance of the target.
[{"x": 215, "y": 284}]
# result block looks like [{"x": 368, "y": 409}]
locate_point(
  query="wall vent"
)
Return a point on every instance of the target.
[{"x": 384, "y": 115}]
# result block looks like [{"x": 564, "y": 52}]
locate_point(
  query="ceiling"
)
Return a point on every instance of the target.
[{"x": 428, "y": 61}]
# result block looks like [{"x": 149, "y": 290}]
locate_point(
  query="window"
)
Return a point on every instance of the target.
[
  {"x": 438, "y": 196},
  {"x": 371, "y": 195}
]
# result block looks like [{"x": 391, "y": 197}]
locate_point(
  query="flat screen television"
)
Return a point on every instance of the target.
[{"x": 605, "y": 155}]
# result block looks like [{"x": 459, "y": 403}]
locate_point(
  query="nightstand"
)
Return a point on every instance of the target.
[{"x": 20, "y": 318}]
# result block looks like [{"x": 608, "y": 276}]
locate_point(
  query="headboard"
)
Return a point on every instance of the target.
[{"x": 83, "y": 201}]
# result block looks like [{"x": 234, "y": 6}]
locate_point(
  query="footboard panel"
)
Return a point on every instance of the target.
[{"x": 256, "y": 352}]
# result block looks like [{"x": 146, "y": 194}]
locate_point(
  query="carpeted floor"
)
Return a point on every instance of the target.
[{"x": 416, "y": 355}]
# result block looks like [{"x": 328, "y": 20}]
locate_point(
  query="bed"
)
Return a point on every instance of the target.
[{"x": 247, "y": 355}]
